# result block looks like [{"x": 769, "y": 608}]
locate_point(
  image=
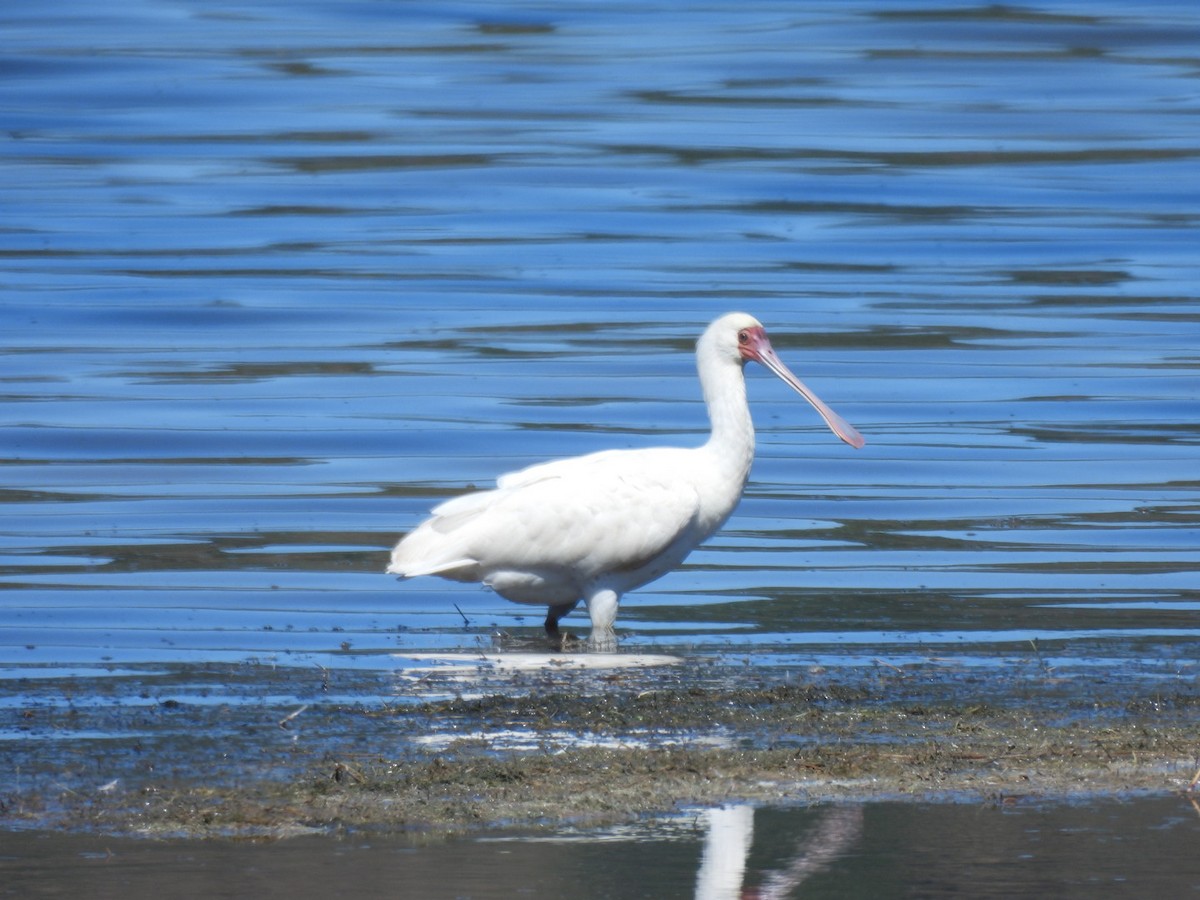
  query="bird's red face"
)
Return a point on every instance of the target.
[
  {"x": 754, "y": 345},
  {"x": 751, "y": 341}
]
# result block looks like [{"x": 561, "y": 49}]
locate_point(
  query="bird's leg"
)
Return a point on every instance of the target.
[
  {"x": 553, "y": 614},
  {"x": 602, "y": 608}
]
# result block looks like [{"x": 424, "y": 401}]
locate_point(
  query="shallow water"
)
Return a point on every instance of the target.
[
  {"x": 1109, "y": 849},
  {"x": 273, "y": 283}
]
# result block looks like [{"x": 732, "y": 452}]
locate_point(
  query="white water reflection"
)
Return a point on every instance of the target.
[
  {"x": 834, "y": 835},
  {"x": 726, "y": 847}
]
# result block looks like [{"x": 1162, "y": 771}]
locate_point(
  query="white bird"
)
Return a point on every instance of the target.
[{"x": 593, "y": 527}]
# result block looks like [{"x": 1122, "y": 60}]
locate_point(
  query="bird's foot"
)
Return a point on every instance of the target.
[
  {"x": 602, "y": 641},
  {"x": 563, "y": 640}
]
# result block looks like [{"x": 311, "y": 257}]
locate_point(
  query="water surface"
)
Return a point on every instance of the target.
[
  {"x": 1113, "y": 849},
  {"x": 273, "y": 285}
]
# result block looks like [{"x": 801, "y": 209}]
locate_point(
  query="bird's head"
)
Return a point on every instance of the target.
[{"x": 740, "y": 338}]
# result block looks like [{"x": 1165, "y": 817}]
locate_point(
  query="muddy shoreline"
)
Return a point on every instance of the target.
[{"x": 265, "y": 751}]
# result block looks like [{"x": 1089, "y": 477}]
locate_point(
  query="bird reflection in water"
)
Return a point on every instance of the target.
[{"x": 722, "y": 873}]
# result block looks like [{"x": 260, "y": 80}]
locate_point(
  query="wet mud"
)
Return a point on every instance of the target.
[{"x": 255, "y": 750}]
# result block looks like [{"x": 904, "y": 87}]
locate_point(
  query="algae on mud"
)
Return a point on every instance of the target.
[{"x": 275, "y": 751}]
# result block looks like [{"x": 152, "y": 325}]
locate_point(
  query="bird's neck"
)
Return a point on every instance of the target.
[{"x": 732, "y": 439}]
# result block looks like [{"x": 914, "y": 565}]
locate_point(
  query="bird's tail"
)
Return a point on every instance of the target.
[{"x": 425, "y": 551}]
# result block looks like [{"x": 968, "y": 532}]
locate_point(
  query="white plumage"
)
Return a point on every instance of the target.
[{"x": 593, "y": 527}]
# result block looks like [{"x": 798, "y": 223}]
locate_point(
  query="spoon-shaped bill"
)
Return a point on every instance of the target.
[{"x": 759, "y": 349}]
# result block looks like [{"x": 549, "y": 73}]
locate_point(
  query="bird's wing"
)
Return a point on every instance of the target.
[
  {"x": 604, "y": 513},
  {"x": 560, "y": 468}
]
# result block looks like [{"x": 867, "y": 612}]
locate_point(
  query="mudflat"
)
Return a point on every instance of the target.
[{"x": 464, "y": 743}]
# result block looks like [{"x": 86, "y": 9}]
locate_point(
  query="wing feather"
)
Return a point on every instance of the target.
[{"x": 615, "y": 511}]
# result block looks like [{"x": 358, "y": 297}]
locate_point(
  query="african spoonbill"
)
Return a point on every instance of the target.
[{"x": 593, "y": 527}]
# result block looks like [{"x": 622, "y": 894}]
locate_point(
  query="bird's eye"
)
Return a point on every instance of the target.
[{"x": 743, "y": 337}]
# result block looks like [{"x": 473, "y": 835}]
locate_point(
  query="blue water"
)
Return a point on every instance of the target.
[{"x": 275, "y": 279}]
